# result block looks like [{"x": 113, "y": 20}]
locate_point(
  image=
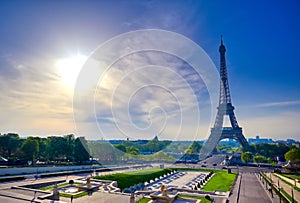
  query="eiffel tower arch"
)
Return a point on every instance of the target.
[{"x": 225, "y": 108}]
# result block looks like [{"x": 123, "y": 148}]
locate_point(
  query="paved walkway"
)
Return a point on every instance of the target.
[
  {"x": 285, "y": 186},
  {"x": 248, "y": 190}
]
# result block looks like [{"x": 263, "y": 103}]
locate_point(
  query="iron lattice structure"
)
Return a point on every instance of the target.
[{"x": 225, "y": 108}]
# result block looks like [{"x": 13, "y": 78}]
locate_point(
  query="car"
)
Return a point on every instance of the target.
[
  {"x": 214, "y": 164},
  {"x": 203, "y": 165}
]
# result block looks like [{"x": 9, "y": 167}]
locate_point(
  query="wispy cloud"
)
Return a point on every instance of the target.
[
  {"x": 279, "y": 104},
  {"x": 147, "y": 92}
]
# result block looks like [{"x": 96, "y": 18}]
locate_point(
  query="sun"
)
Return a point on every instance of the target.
[{"x": 69, "y": 68}]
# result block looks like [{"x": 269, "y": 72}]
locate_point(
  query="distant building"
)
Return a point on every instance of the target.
[{"x": 258, "y": 140}]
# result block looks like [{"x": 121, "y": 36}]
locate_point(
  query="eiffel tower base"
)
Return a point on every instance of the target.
[{"x": 218, "y": 134}]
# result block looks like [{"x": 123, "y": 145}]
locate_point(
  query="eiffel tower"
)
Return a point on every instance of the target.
[{"x": 225, "y": 108}]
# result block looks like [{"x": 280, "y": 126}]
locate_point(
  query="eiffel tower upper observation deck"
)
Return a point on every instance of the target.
[{"x": 225, "y": 108}]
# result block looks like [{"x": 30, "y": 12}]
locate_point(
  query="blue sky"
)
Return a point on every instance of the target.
[{"x": 261, "y": 37}]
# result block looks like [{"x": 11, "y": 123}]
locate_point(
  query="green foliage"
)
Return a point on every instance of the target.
[
  {"x": 269, "y": 150},
  {"x": 177, "y": 147},
  {"x": 260, "y": 159},
  {"x": 293, "y": 155},
  {"x": 9, "y": 143},
  {"x": 246, "y": 157},
  {"x": 81, "y": 152},
  {"x": 195, "y": 147},
  {"x": 151, "y": 146},
  {"x": 53, "y": 148},
  {"x": 132, "y": 150},
  {"x": 30, "y": 148},
  {"x": 120, "y": 147}
]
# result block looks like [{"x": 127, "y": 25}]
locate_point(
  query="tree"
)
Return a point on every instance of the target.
[
  {"x": 260, "y": 159},
  {"x": 9, "y": 143},
  {"x": 293, "y": 155},
  {"x": 246, "y": 157},
  {"x": 30, "y": 149},
  {"x": 81, "y": 150},
  {"x": 195, "y": 147},
  {"x": 57, "y": 148},
  {"x": 132, "y": 150},
  {"x": 120, "y": 147},
  {"x": 69, "y": 144}
]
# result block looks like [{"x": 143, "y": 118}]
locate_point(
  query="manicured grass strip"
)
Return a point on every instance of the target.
[
  {"x": 287, "y": 182},
  {"x": 128, "y": 179},
  {"x": 52, "y": 186},
  {"x": 287, "y": 195},
  {"x": 220, "y": 181},
  {"x": 84, "y": 193},
  {"x": 292, "y": 176},
  {"x": 143, "y": 200},
  {"x": 59, "y": 185}
]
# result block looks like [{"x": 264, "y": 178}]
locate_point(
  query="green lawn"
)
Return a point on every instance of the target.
[
  {"x": 128, "y": 179},
  {"x": 143, "y": 200},
  {"x": 220, "y": 181},
  {"x": 80, "y": 194}
]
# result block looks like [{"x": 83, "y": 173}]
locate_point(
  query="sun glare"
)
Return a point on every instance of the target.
[{"x": 69, "y": 68}]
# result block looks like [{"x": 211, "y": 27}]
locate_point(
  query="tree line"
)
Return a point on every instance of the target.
[
  {"x": 271, "y": 153},
  {"x": 36, "y": 149}
]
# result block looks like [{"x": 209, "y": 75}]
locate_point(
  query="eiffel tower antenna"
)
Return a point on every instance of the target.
[{"x": 225, "y": 108}]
